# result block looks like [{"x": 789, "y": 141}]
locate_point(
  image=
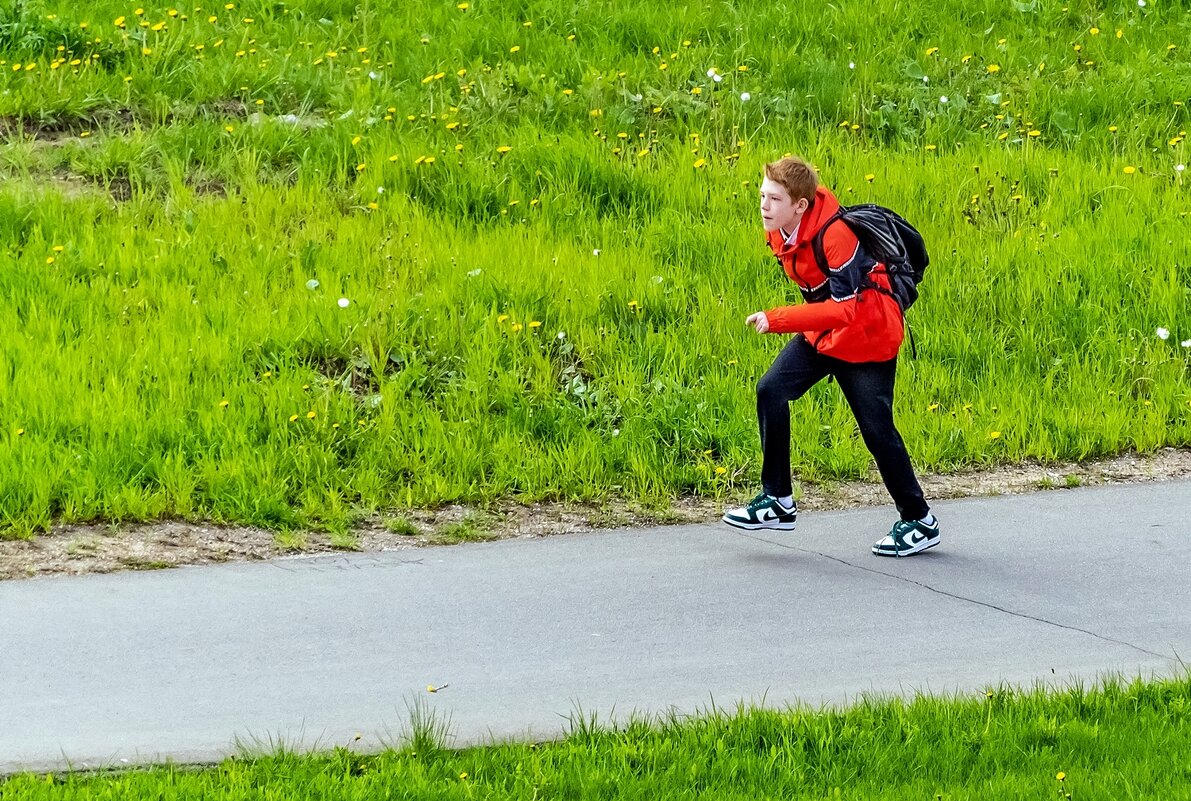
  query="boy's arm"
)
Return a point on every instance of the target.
[{"x": 847, "y": 264}]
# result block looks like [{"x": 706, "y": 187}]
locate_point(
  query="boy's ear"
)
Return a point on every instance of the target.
[{"x": 802, "y": 205}]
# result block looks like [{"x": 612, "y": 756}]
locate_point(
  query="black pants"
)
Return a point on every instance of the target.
[{"x": 868, "y": 388}]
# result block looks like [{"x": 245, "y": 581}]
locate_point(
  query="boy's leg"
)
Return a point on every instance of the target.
[
  {"x": 868, "y": 388},
  {"x": 795, "y": 370}
]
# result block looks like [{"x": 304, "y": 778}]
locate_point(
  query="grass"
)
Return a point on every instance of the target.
[
  {"x": 547, "y": 253},
  {"x": 1115, "y": 740}
]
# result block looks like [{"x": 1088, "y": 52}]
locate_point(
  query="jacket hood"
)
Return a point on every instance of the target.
[{"x": 824, "y": 207}]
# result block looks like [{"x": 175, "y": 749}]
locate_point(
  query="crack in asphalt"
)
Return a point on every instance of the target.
[{"x": 958, "y": 597}]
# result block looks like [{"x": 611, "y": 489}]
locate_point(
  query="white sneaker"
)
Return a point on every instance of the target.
[{"x": 764, "y": 511}]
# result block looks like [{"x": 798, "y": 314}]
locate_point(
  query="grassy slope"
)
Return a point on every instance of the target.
[{"x": 156, "y": 349}]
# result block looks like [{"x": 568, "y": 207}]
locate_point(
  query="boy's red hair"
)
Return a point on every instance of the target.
[{"x": 798, "y": 177}]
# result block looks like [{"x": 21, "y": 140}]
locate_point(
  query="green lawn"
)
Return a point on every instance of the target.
[
  {"x": 1116, "y": 741},
  {"x": 542, "y": 220}
]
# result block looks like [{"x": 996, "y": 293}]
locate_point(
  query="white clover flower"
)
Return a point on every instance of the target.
[
  {"x": 595, "y": 252},
  {"x": 344, "y": 303},
  {"x": 711, "y": 73},
  {"x": 745, "y": 97},
  {"x": 312, "y": 283},
  {"x": 562, "y": 335},
  {"x": 1180, "y": 167},
  {"x": 1163, "y": 334},
  {"x": 473, "y": 273},
  {"x": 851, "y": 65},
  {"x": 1141, "y": 3},
  {"x": 925, "y": 79},
  {"x": 717, "y": 78},
  {"x": 943, "y": 99},
  {"x": 380, "y": 190},
  {"x": 1186, "y": 343}
]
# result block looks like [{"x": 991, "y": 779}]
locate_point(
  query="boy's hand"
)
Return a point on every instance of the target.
[{"x": 758, "y": 321}]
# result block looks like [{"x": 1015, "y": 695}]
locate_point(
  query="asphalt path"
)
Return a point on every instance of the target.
[{"x": 522, "y": 638}]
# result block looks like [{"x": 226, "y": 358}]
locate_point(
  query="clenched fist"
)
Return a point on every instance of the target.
[{"x": 758, "y": 321}]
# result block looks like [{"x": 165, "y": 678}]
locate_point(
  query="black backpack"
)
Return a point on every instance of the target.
[{"x": 889, "y": 239}]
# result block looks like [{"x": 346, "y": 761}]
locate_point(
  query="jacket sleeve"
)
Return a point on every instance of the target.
[{"x": 847, "y": 264}]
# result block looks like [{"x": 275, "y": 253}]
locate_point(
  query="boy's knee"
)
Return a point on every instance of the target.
[{"x": 769, "y": 390}]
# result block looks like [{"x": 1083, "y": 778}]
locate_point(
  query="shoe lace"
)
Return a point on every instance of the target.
[
  {"x": 903, "y": 527},
  {"x": 761, "y": 500}
]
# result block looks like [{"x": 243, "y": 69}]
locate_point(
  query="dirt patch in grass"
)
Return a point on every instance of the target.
[
  {"x": 56, "y": 129},
  {"x": 78, "y": 549}
]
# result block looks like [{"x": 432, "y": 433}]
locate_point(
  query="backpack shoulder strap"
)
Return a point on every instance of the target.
[{"x": 817, "y": 241}]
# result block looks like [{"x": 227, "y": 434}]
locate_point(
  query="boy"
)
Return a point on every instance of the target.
[{"x": 850, "y": 327}]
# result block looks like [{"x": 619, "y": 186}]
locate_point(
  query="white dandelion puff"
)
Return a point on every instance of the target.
[{"x": 1163, "y": 334}]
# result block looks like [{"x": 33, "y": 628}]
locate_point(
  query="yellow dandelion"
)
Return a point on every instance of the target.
[
  {"x": 516, "y": 327},
  {"x": 1094, "y": 31},
  {"x": 932, "y": 407},
  {"x": 697, "y": 90},
  {"x": 1130, "y": 170},
  {"x": 535, "y": 324},
  {"x": 503, "y": 149},
  {"x": 119, "y": 22},
  {"x": 311, "y": 415},
  {"x": 700, "y": 163},
  {"x": 361, "y": 167},
  {"x": 1035, "y": 133},
  {"x": 373, "y": 205},
  {"x": 463, "y": 6},
  {"x": 502, "y": 318},
  {"x": 1112, "y": 129},
  {"x": 293, "y": 418},
  {"x": 229, "y": 128},
  {"x": 1061, "y": 776},
  {"x": 223, "y": 404},
  {"x": 49, "y": 260},
  {"x": 721, "y": 470},
  {"x": 515, "y": 49},
  {"x": 994, "y": 68},
  {"x": 643, "y": 152},
  {"x": 870, "y": 177},
  {"x": 20, "y": 432},
  {"x": 994, "y": 434},
  {"x": 930, "y": 51}
]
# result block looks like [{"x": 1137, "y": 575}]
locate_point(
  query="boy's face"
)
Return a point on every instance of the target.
[{"x": 777, "y": 209}]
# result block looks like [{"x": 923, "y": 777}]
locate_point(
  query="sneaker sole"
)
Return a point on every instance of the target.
[
  {"x": 774, "y": 524},
  {"x": 919, "y": 548}
]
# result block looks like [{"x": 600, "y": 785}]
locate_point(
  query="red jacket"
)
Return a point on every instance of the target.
[{"x": 840, "y": 318}]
